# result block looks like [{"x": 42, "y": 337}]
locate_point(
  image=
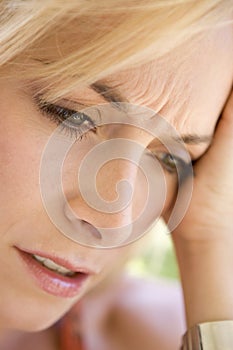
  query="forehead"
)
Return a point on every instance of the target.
[{"x": 187, "y": 88}]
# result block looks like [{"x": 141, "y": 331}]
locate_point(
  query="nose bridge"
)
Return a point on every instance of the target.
[
  {"x": 107, "y": 180},
  {"x": 104, "y": 198}
]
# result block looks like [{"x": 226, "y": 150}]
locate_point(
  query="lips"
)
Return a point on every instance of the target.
[{"x": 54, "y": 275}]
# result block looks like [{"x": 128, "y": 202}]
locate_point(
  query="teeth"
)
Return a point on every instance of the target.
[
  {"x": 53, "y": 266},
  {"x": 39, "y": 258}
]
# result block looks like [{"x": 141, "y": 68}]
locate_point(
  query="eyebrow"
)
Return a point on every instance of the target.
[
  {"x": 194, "y": 139},
  {"x": 114, "y": 97},
  {"x": 110, "y": 94}
]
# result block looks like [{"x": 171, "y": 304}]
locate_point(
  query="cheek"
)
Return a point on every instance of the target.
[
  {"x": 20, "y": 153},
  {"x": 161, "y": 196}
]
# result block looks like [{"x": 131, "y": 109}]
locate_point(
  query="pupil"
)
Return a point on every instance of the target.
[
  {"x": 169, "y": 160},
  {"x": 78, "y": 118}
]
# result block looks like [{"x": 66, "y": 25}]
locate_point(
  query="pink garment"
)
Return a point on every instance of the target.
[{"x": 69, "y": 331}]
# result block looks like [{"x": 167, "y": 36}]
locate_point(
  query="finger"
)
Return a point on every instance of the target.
[
  {"x": 215, "y": 168},
  {"x": 221, "y": 149},
  {"x": 224, "y": 133}
]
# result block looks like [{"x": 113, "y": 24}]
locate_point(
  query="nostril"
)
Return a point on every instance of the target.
[
  {"x": 81, "y": 226},
  {"x": 92, "y": 229}
]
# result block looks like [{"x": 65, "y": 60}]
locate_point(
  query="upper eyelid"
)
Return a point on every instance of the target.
[
  {"x": 67, "y": 105},
  {"x": 72, "y": 105},
  {"x": 42, "y": 104},
  {"x": 62, "y": 103},
  {"x": 71, "y": 112},
  {"x": 65, "y": 122},
  {"x": 61, "y": 108}
]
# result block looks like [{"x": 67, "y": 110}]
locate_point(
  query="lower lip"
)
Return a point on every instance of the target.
[{"x": 52, "y": 282}]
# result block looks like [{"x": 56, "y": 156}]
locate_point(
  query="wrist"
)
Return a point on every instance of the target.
[
  {"x": 209, "y": 336},
  {"x": 206, "y": 271}
]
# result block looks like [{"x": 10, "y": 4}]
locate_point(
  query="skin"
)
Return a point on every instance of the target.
[
  {"x": 206, "y": 248},
  {"x": 190, "y": 96}
]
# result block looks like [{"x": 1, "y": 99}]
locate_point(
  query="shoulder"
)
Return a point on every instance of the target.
[{"x": 134, "y": 313}]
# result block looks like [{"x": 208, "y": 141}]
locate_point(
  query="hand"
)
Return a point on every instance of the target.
[
  {"x": 210, "y": 214},
  {"x": 204, "y": 239}
]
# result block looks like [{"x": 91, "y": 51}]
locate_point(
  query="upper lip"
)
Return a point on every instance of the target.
[{"x": 73, "y": 266}]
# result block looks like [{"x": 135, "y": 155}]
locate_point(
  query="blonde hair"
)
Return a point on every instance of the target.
[{"x": 90, "y": 39}]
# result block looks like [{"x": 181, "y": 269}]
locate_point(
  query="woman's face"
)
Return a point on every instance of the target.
[{"x": 188, "y": 90}]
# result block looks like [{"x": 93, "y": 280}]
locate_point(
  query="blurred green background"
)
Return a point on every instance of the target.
[{"x": 157, "y": 257}]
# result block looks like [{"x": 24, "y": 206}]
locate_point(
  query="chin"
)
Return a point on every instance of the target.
[
  {"x": 31, "y": 321},
  {"x": 31, "y": 325},
  {"x": 38, "y": 326}
]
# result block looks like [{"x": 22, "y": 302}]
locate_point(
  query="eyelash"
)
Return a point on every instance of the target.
[
  {"x": 60, "y": 115},
  {"x": 63, "y": 117}
]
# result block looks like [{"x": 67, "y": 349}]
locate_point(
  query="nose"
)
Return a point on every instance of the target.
[
  {"x": 100, "y": 211},
  {"x": 112, "y": 195}
]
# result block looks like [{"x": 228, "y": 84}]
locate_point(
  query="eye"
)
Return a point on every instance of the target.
[
  {"x": 75, "y": 123},
  {"x": 171, "y": 162}
]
